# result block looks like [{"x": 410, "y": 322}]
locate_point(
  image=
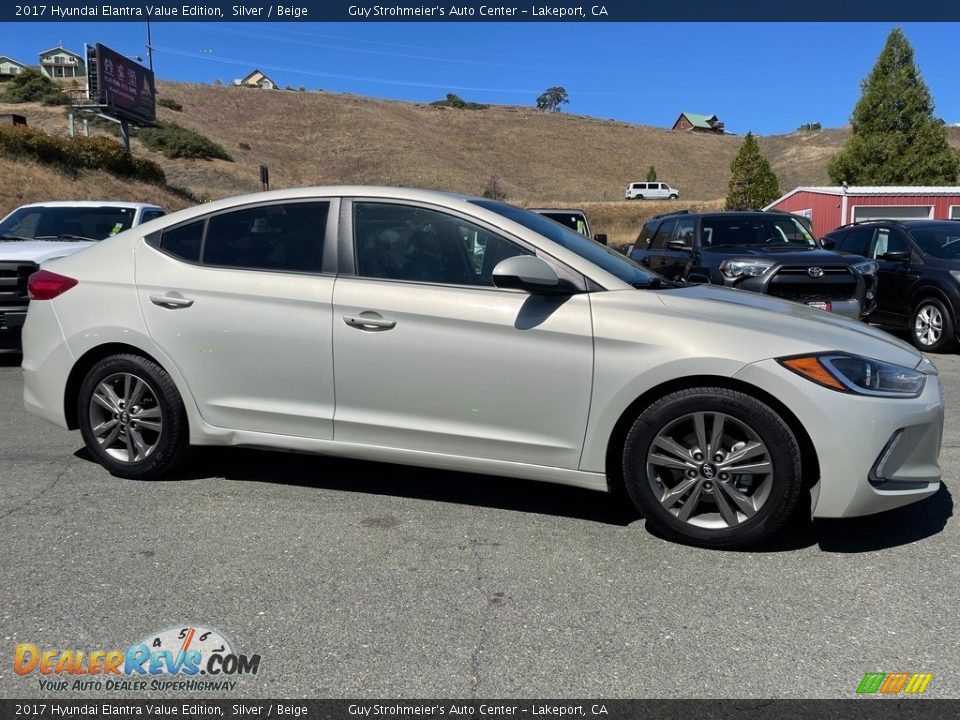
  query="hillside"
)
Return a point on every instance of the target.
[{"x": 324, "y": 138}]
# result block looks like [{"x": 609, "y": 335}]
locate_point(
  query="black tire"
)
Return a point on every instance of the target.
[
  {"x": 921, "y": 338},
  {"x": 782, "y": 485},
  {"x": 674, "y": 197},
  {"x": 638, "y": 197},
  {"x": 168, "y": 446}
]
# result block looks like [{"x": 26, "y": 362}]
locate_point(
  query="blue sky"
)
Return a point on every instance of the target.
[{"x": 765, "y": 77}]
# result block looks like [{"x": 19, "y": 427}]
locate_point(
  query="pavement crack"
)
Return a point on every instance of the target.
[
  {"x": 46, "y": 489},
  {"x": 476, "y": 657}
]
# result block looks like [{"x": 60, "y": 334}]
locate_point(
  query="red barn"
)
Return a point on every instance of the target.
[{"x": 830, "y": 207}]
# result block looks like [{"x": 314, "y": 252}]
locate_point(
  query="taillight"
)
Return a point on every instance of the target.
[{"x": 46, "y": 285}]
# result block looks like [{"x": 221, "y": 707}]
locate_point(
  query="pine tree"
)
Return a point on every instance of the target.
[
  {"x": 896, "y": 139},
  {"x": 753, "y": 183},
  {"x": 652, "y": 174}
]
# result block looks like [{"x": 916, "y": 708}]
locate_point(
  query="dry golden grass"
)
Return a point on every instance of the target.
[
  {"x": 26, "y": 182},
  {"x": 316, "y": 138}
]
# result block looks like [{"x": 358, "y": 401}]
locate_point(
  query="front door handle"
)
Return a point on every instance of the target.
[
  {"x": 645, "y": 261},
  {"x": 171, "y": 302},
  {"x": 369, "y": 321}
]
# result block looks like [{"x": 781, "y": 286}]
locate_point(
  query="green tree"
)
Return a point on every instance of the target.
[
  {"x": 552, "y": 98},
  {"x": 896, "y": 140},
  {"x": 652, "y": 174},
  {"x": 753, "y": 183}
]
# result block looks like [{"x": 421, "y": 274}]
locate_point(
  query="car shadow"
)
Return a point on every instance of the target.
[{"x": 853, "y": 535}]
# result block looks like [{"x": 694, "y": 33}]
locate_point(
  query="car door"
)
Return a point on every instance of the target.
[
  {"x": 240, "y": 301},
  {"x": 669, "y": 262},
  {"x": 894, "y": 276},
  {"x": 430, "y": 356}
]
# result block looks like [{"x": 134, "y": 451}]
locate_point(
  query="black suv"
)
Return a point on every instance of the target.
[
  {"x": 919, "y": 274},
  {"x": 765, "y": 252}
]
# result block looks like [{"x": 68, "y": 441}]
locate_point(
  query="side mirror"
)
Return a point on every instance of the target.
[
  {"x": 527, "y": 273},
  {"x": 901, "y": 256},
  {"x": 827, "y": 243},
  {"x": 600, "y": 238},
  {"x": 678, "y": 245}
]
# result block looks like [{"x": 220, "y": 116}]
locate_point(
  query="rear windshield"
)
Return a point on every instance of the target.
[
  {"x": 940, "y": 241},
  {"x": 574, "y": 221},
  {"x": 613, "y": 262},
  {"x": 90, "y": 223}
]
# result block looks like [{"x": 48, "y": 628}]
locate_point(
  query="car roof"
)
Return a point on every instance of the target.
[
  {"x": 716, "y": 213},
  {"x": 93, "y": 203}
]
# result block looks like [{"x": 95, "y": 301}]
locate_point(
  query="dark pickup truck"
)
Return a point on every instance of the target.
[{"x": 766, "y": 252}]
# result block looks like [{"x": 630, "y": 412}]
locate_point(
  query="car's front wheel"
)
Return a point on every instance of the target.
[
  {"x": 713, "y": 467},
  {"x": 931, "y": 326},
  {"x": 132, "y": 417},
  {"x": 674, "y": 196}
]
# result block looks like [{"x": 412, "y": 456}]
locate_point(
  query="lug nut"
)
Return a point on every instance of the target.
[
  {"x": 691, "y": 473},
  {"x": 724, "y": 476},
  {"x": 718, "y": 457},
  {"x": 698, "y": 456}
]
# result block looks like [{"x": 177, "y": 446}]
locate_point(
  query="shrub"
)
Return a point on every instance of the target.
[
  {"x": 176, "y": 141},
  {"x": 97, "y": 153},
  {"x": 493, "y": 189},
  {"x": 32, "y": 86},
  {"x": 244, "y": 146},
  {"x": 170, "y": 103},
  {"x": 455, "y": 101}
]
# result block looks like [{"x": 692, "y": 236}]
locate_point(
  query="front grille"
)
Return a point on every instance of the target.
[
  {"x": 13, "y": 281},
  {"x": 795, "y": 283}
]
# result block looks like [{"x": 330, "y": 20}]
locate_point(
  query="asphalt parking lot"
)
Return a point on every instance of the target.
[{"x": 356, "y": 579}]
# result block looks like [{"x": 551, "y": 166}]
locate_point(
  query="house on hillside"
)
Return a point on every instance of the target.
[
  {"x": 692, "y": 122},
  {"x": 59, "y": 63},
  {"x": 10, "y": 67},
  {"x": 257, "y": 79},
  {"x": 830, "y": 207}
]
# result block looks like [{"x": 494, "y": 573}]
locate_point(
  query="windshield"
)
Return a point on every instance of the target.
[
  {"x": 600, "y": 255},
  {"x": 940, "y": 241},
  {"x": 771, "y": 231},
  {"x": 93, "y": 223}
]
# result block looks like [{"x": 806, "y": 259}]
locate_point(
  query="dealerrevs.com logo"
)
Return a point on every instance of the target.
[
  {"x": 178, "y": 658},
  {"x": 900, "y": 683}
]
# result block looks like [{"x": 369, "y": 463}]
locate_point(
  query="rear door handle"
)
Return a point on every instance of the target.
[
  {"x": 369, "y": 321},
  {"x": 171, "y": 302}
]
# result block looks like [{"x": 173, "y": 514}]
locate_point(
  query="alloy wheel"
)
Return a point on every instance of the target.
[
  {"x": 928, "y": 325},
  {"x": 710, "y": 470},
  {"x": 125, "y": 417}
]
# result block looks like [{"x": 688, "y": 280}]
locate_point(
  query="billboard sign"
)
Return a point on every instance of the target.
[{"x": 123, "y": 87}]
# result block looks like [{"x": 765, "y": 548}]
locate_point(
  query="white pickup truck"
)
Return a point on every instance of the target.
[{"x": 33, "y": 234}]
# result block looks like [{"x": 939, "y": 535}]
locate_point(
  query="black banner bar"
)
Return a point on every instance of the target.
[
  {"x": 854, "y": 11},
  {"x": 858, "y": 709}
]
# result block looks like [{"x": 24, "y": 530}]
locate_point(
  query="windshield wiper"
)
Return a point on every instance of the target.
[
  {"x": 14, "y": 238},
  {"x": 66, "y": 236},
  {"x": 659, "y": 284}
]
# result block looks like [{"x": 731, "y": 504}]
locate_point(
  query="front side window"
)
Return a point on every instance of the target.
[
  {"x": 282, "y": 237},
  {"x": 664, "y": 233},
  {"x": 403, "y": 242},
  {"x": 887, "y": 242}
]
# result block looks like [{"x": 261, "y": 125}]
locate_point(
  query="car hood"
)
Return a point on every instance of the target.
[
  {"x": 780, "y": 318},
  {"x": 787, "y": 256},
  {"x": 38, "y": 251}
]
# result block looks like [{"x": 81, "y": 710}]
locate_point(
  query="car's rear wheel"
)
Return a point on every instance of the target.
[
  {"x": 713, "y": 467},
  {"x": 132, "y": 417},
  {"x": 931, "y": 326}
]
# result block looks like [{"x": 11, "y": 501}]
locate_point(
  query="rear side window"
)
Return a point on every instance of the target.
[
  {"x": 283, "y": 237},
  {"x": 149, "y": 215},
  {"x": 184, "y": 242}
]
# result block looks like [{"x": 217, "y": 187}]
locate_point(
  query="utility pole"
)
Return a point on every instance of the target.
[{"x": 149, "y": 47}]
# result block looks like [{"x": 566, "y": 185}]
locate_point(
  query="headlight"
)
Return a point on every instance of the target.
[
  {"x": 867, "y": 267},
  {"x": 863, "y": 376},
  {"x": 733, "y": 269}
]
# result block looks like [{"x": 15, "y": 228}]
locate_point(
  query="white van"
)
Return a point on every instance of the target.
[{"x": 651, "y": 191}]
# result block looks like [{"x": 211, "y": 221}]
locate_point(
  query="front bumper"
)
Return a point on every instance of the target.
[{"x": 875, "y": 454}]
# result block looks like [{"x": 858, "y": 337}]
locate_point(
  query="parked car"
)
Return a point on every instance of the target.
[
  {"x": 33, "y": 234},
  {"x": 651, "y": 191},
  {"x": 573, "y": 219},
  {"x": 765, "y": 252},
  {"x": 919, "y": 275},
  {"x": 355, "y": 321}
]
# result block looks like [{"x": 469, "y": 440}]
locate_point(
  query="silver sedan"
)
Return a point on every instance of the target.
[{"x": 439, "y": 330}]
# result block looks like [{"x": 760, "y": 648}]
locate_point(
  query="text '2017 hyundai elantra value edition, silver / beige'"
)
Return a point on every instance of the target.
[{"x": 444, "y": 331}]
